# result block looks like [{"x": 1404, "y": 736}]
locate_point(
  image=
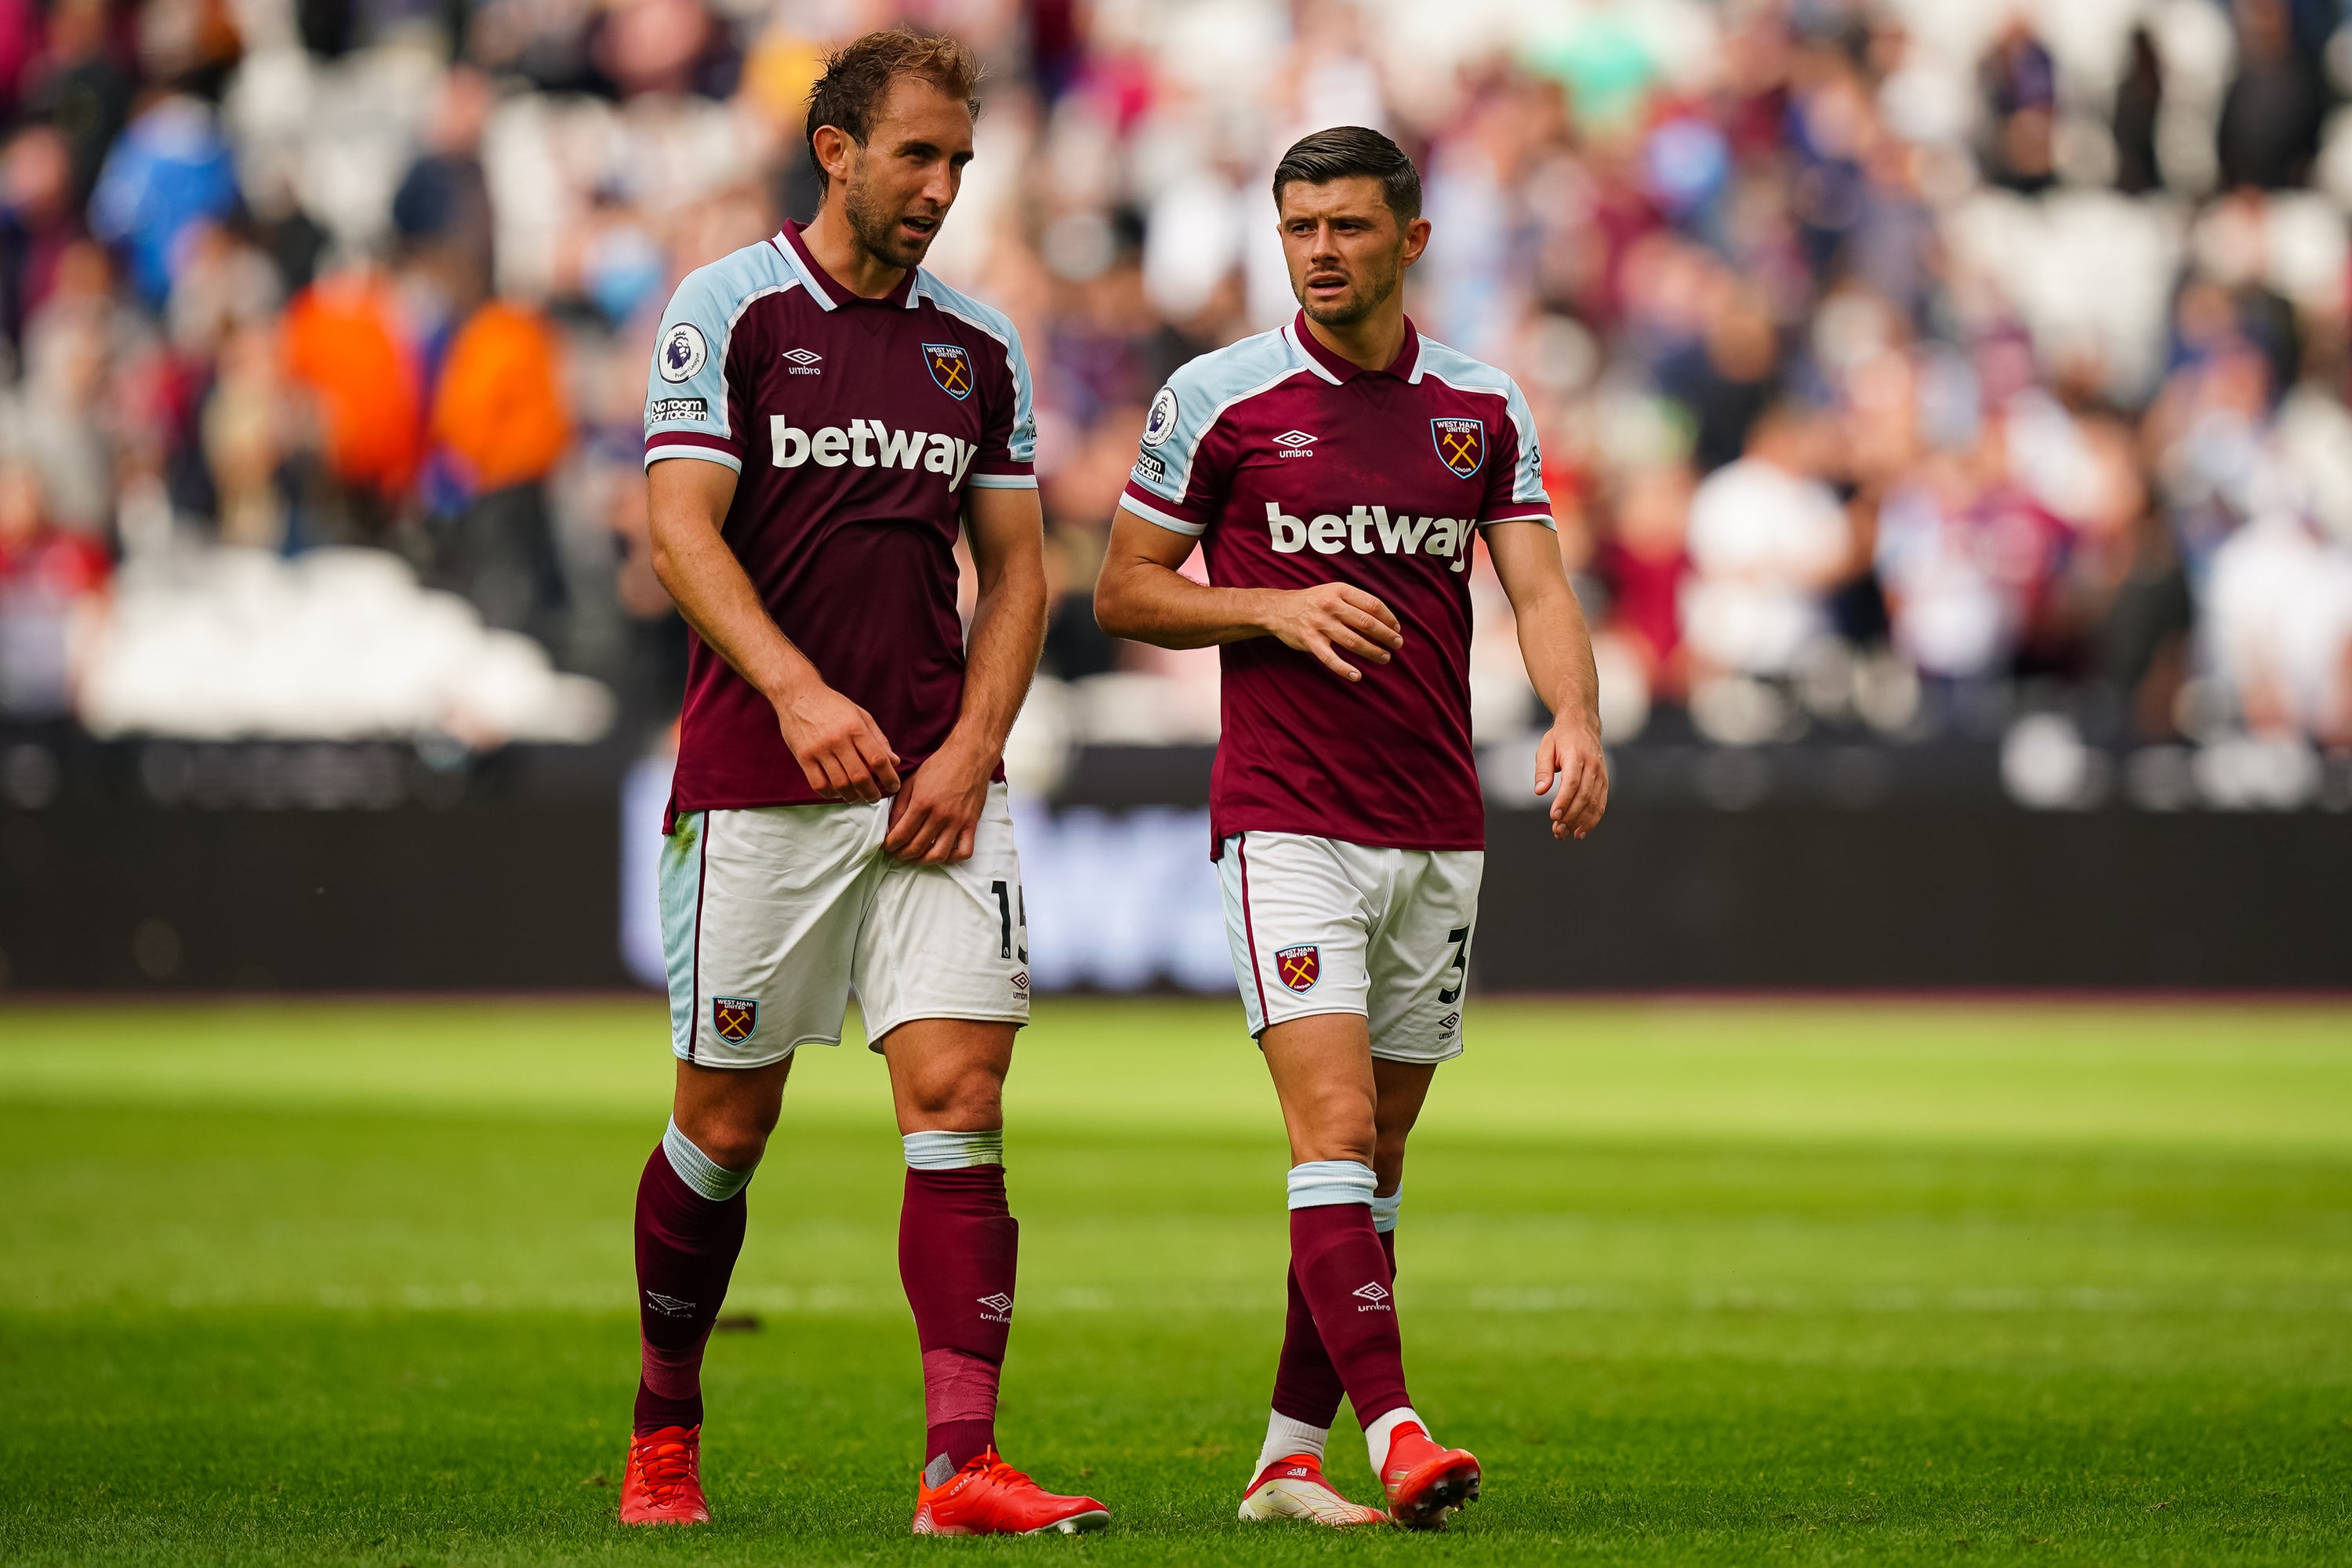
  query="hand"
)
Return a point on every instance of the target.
[
  {"x": 1570, "y": 751},
  {"x": 1332, "y": 618},
  {"x": 838, "y": 745},
  {"x": 935, "y": 819}
]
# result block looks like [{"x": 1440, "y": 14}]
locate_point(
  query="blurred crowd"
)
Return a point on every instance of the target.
[{"x": 1902, "y": 369}]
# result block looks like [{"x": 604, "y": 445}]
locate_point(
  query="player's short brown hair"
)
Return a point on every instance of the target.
[
  {"x": 1345, "y": 152},
  {"x": 857, "y": 77}
]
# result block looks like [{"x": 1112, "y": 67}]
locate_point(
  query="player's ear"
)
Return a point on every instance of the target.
[
  {"x": 1416, "y": 239},
  {"x": 836, "y": 150}
]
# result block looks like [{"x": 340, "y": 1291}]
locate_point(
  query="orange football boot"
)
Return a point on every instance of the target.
[
  {"x": 1424, "y": 1482},
  {"x": 989, "y": 1496},
  {"x": 663, "y": 1484},
  {"x": 1294, "y": 1489}
]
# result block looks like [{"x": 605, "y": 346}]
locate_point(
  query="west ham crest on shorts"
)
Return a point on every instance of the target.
[
  {"x": 734, "y": 1017},
  {"x": 1461, "y": 444},
  {"x": 951, "y": 367},
  {"x": 1299, "y": 967}
]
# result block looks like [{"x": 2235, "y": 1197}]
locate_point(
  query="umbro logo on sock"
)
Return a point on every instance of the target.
[
  {"x": 669, "y": 1306},
  {"x": 1000, "y": 1308},
  {"x": 1375, "y": 1294}
]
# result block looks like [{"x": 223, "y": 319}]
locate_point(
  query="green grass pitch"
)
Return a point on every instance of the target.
[{"x": 1728, "y": 1282}]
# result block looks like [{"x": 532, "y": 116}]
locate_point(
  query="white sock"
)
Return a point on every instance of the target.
[
  {"x": 1320, "y": 1184},
  {"x": 953, "y": 1151},
  {"x": 1381, "y": 1433},
  {"x": 698, "y": 1170},
  {"x": 1284, "y": 1438}
]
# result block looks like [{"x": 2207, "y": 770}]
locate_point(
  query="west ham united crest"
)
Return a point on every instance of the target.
[
  {"x": 951, "y": 367},
  {"x": 734, "y": 1018},
  {"x": 1299, "y": 967},
  {"x": 1461, "y": 444}
]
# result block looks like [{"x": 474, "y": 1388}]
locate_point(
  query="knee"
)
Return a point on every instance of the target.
[
  {"x": 1337, "y": 1127},
  {"x": 969, "y": 1101},
  {"x": 731, "y": 1138}
]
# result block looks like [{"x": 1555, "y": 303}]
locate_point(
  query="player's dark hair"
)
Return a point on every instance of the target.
[
  {"x": 1345, "y": 152},
  {"x": 857, "y": 81}
]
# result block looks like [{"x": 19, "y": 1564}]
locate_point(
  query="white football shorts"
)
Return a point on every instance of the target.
[
  {"x": 1317, "y": 925},
  {"x": 771, "y": 916}
]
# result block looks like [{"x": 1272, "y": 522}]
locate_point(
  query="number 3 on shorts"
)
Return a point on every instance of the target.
[{"x": 1460, "y": 968}]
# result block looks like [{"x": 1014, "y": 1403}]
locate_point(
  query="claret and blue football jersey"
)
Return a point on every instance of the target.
[
  {"x": 1294, "y": 467},
  {"x": 857, "y": 426}
]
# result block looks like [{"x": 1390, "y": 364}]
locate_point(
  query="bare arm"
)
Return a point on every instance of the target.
[
  {"x": 935, "y": 819},
  {"x": 840, "y": 749},
  {"x": 1559, "y": 651},
  {"x": 1141, "y": 595}
]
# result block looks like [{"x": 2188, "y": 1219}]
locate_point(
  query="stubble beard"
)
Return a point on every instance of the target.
[
  {"x": 878, "y": 231},
  {"x": 1370, "y": 292}
]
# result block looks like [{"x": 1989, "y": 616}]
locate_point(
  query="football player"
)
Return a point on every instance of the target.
[
  {"x": 823, "y": 419},
  {"x": 1334, "y": 475}
]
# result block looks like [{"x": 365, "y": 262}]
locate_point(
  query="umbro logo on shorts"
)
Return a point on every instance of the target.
[
  {"x": 734, "y": 1018},
  {"x": 1299, "y": 967}
]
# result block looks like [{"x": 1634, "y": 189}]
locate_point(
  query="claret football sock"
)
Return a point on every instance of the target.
[
  {"x": 1343, "y": 1273},
  {"x": 689, "y": 1228},
  {"x": 958, "y": 1249},
  {"x": 1306, "y": 1388}
]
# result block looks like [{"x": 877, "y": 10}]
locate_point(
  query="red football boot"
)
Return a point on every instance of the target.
[
  {"x": 663, "y": 1484},
  {"x": 1295, "y": 1488},
  {"x": 989, "y": 1496},
  {"x": 1424, "y": 1482}
]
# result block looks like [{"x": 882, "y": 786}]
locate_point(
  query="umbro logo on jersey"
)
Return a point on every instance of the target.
[
  {"x": 1000, "y": 1308},
  {"x": 1370, "y": 530},
  {"x": 804, "y": 361},
  {"x": 869, "y": 443},
  {"x": 1375, "y": 1297},
  {"x": 1296, "y": 443}
]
